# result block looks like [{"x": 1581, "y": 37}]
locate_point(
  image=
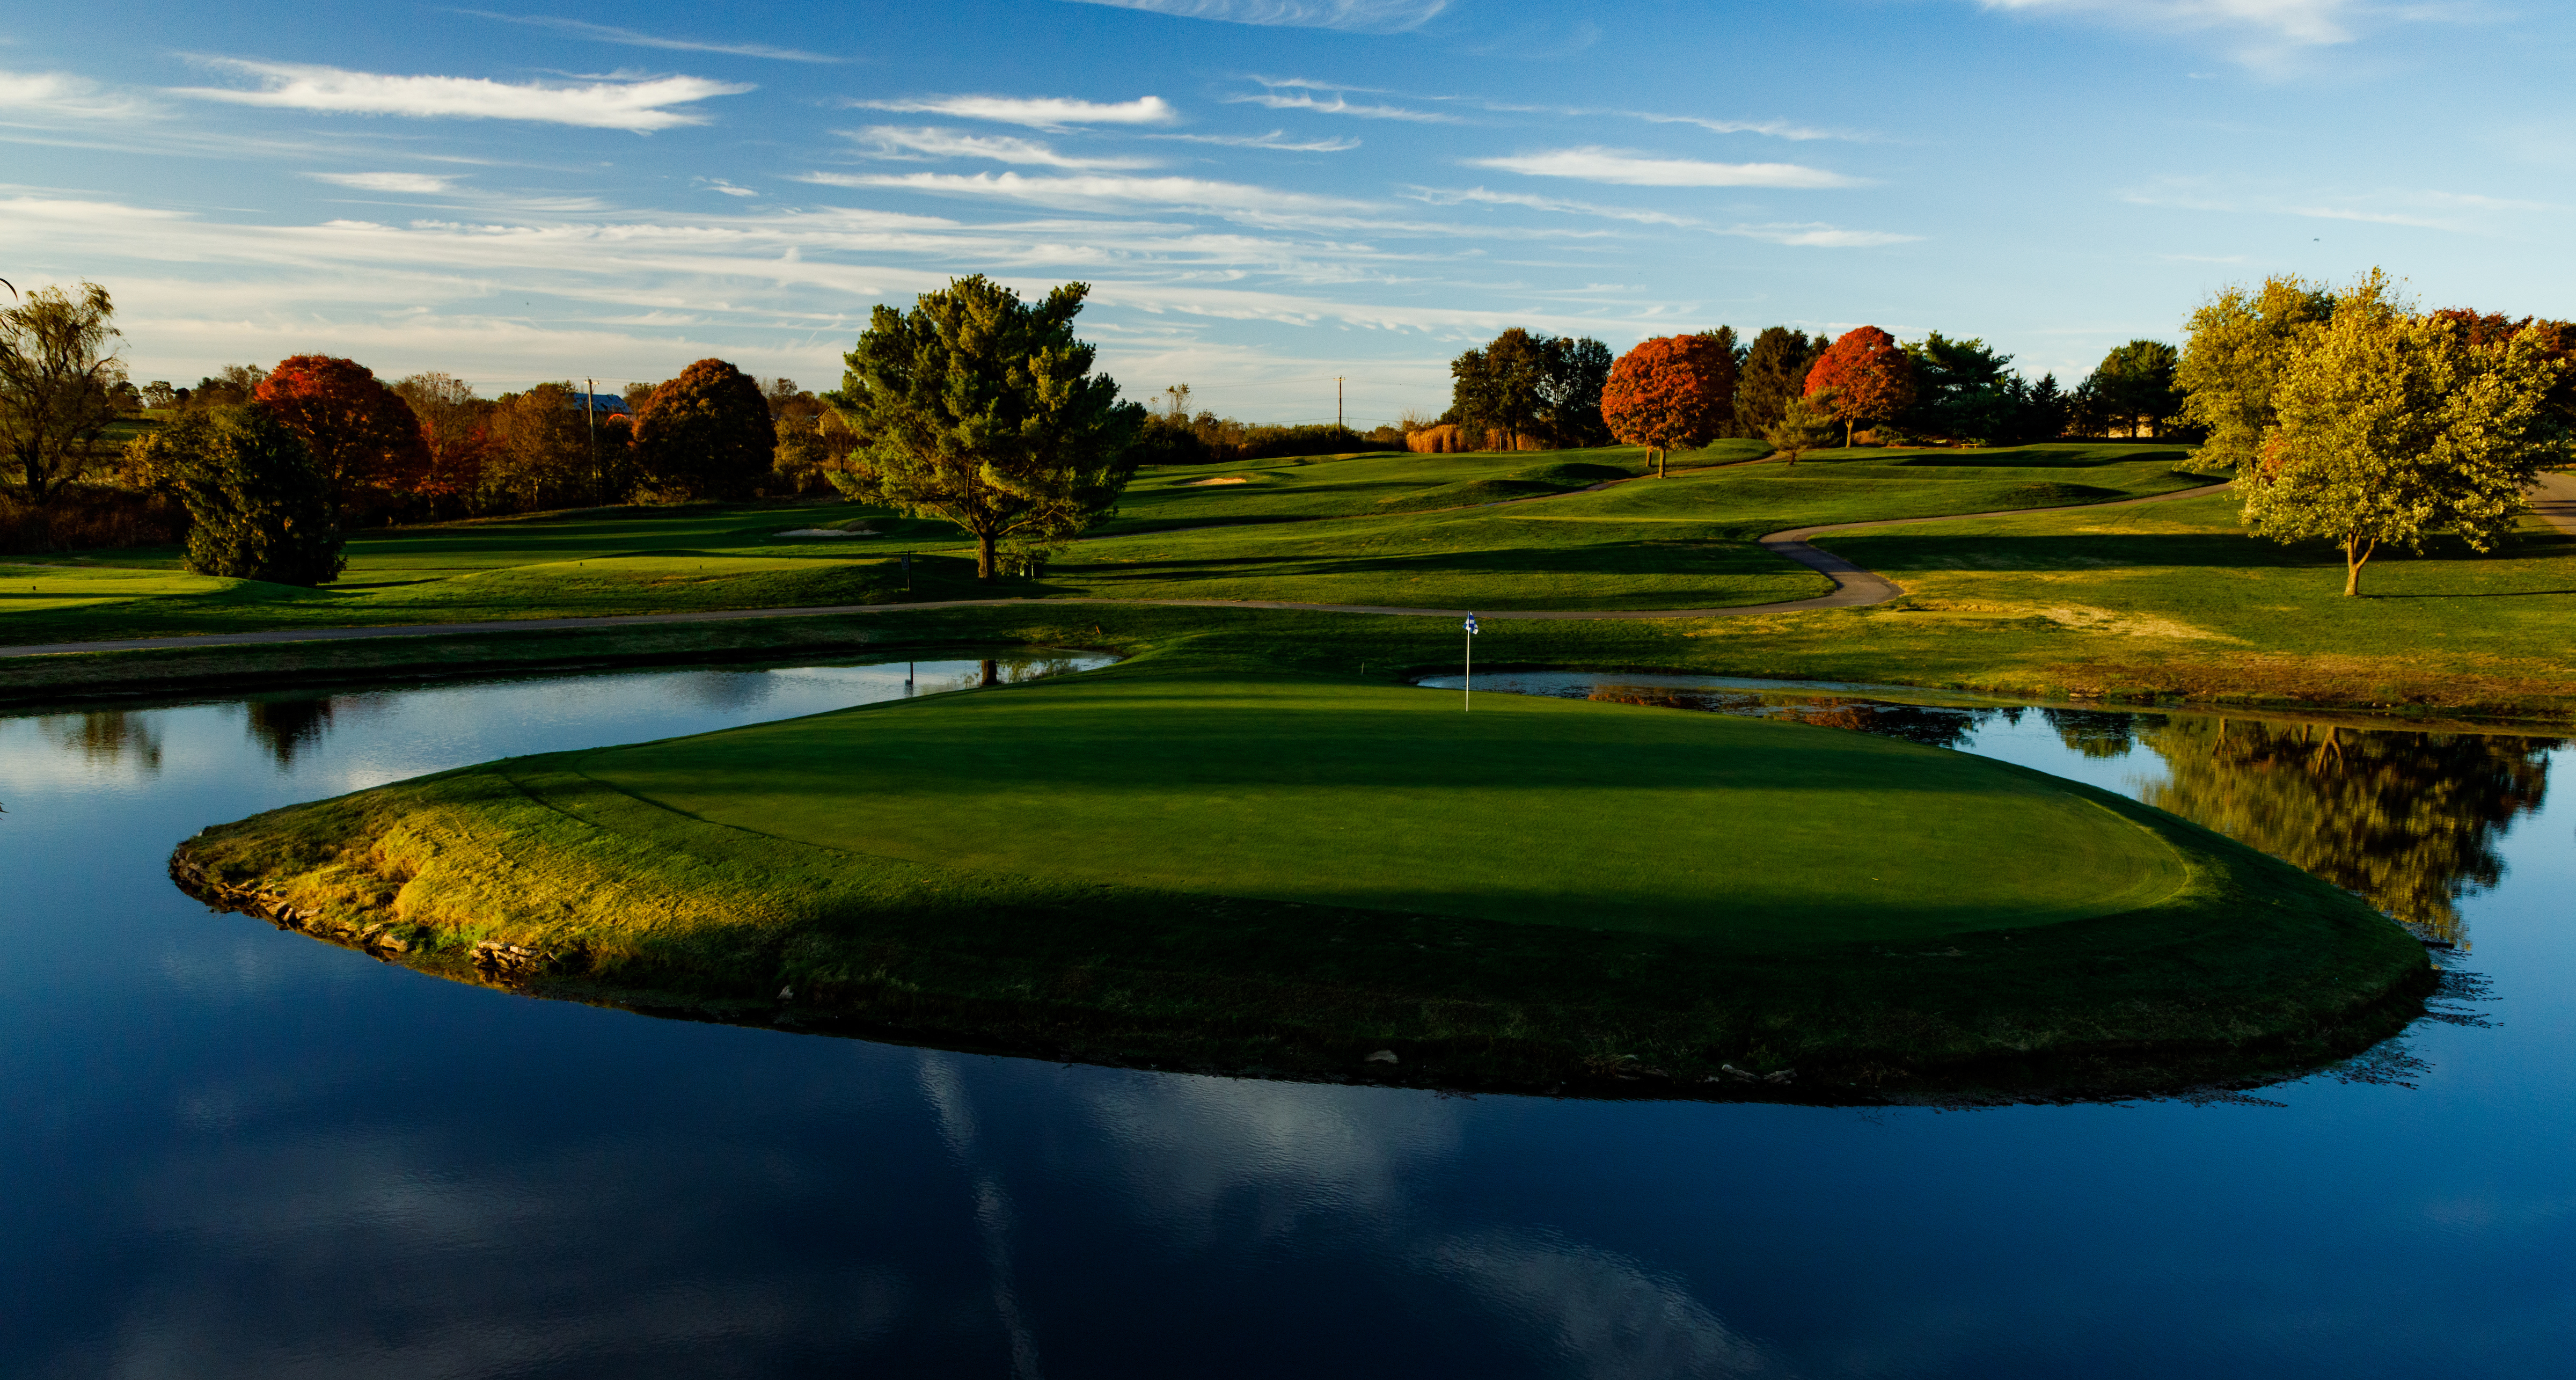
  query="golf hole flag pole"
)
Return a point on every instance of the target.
[{"x": 1467, "y": 686}]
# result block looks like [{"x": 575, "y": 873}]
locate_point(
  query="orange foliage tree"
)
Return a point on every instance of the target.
[
  {"x": 706, "y": 434},
  {"x": 365, "y": 439},
  {"x": 1675, "y": 391},
  {"x": 1871, "y": 378}
]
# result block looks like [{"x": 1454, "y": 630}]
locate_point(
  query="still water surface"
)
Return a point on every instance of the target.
[{"x": 233, "y": 1151}]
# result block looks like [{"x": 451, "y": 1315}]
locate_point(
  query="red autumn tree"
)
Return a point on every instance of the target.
[
  {"x": 705, "y": 434},
  {"x": 365, "y": 439},
  {"x": 2557, "y": 340},
  {"x": 1871, "y": 377},
  {"x": 1676, "y": 391}
]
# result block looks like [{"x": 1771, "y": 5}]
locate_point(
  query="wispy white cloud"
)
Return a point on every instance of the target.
[
  {"x": 1275, "y": 139},
  {"x": 62, "y": 95},
  {"x": 2302, "y": 22},
  {"x": 1638, "y": 170},
  {"x": 1777, "y": 129},
  {"x": 639, "y": 295},
  {"x": 1359, "y": 16},
  {"x": 607, "y": 34},
  {"x": 2459, "y": 213},
  {"x": 1298, "y": 100},
  {"x": 1438, "y": 196},
  {"x": 718, "y": 184},
  {"x": 423, "y": 184},
  {"x": 1102, "y": 192},
  {"x": 1037, "y": 112},
  {"x": 640, "y": 106},
  {"x": 1816, "y": 235},
  {"x": 1808, "y": 234},
  {"x": 896, "y": 141}
]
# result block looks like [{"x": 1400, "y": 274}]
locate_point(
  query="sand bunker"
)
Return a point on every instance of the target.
[{"x": 1228, "y": 479}]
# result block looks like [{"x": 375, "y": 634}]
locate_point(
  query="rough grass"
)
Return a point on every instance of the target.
[{"x": 1197, "y": 859}]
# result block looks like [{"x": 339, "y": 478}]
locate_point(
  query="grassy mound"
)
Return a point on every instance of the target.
[{"x": 1194, "y": 864}]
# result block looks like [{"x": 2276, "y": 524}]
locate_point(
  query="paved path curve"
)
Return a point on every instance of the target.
[{"x": 1854, "y": 587}]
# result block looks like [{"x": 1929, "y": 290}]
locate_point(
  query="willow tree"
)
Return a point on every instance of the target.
[
  {"x": 2394, "y": 426},
  {"x": 59, "y": 382},
  {"x": 982, "y": 409}
]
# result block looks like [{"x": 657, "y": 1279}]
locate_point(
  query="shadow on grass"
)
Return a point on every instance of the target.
[{"x": 1970, "y": 551}]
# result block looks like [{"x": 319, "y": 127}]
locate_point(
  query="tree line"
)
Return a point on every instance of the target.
[
  {"x": 316, "y": 444},
  {"x": 2348, "y": 415},
  {"x": 1527, "y": 390}
]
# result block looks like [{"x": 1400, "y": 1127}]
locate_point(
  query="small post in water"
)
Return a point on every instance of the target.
[{"x": 1467, "y": 686}]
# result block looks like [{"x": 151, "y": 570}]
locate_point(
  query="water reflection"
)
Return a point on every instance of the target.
[
  {"x": 288, "y": 727},
  {"x": 2411, "y": 821},
  {"x": 109, "y": 737}
]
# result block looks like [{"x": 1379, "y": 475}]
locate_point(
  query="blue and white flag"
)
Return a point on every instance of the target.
[{"x": 1471, "y": 625}]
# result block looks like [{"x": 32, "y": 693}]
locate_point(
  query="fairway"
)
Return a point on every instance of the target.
[
  {"x": 1534, "y": 811},
  {"x": 1521, "y": 530}
]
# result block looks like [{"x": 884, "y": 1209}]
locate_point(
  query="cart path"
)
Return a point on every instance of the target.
[
  {"x": 2555, "y": 501},
  {"x": 1854, "y": 587}
]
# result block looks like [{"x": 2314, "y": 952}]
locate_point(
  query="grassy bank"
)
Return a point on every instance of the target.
[{"x": 1206, "y": 859}]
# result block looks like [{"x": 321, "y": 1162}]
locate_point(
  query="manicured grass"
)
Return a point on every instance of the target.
[
  {"x": 1371, "y": 529},
  {"x": 1684, "y": 541},
  {"x": 1395, "y": 799},
  {"x": 614, "y": 561},
  {"x": 1199, "y": 856},
  {"x": 1494, "y": 558},
  {"x": 2177, "y": 599}
]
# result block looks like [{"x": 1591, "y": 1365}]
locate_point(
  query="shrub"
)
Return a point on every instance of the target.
[{"x": 259, "y": 508}]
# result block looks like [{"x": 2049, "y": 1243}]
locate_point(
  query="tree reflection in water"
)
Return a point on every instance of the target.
[
  {"x": 287, "y": 727},
  {"x": 109, "y": 736},
  {"x": 2408, "y": 820}
]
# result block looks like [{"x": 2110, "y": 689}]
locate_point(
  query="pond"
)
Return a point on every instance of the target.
[{"x": 235, "y": 1151}]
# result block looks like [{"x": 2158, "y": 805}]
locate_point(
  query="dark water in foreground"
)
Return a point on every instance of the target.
[{"x": 231, "y": 1151}]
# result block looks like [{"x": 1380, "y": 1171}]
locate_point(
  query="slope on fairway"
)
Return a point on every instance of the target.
[{"x": 1530, "y": 810}]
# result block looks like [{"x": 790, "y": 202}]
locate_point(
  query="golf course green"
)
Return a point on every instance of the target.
[{"x": 1191, "y": 861}]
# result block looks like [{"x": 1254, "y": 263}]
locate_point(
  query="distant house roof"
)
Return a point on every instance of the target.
[{"x": 598, "y": 402}]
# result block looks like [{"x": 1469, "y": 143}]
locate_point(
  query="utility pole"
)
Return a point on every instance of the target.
[
  {"x": 590, "y": 418},
  {"x": 1337, "y": 402}
]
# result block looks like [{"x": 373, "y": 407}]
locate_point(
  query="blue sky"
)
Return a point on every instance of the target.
[{"x": 1265, "y": 193}]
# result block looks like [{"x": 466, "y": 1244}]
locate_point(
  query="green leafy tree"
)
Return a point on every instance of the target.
[
  {"x": 2134, "y": 387},
  {"x": 982, "y": 409},
  {"x": 1574, "y": 371},
  {"x": 2240, "y": 342},
  {"x": 2393, "y": 427},
  {"x": 259, "y": 508},
  {"x": 1965, "y": 389},
  {"x": 706, "y": 434},
  {"x": 1771, "y": 372},
  {"x": 1804, "y": 425},
  {"x": 59, "y": 381}
]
